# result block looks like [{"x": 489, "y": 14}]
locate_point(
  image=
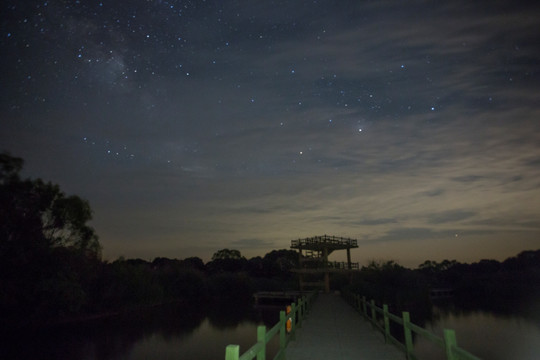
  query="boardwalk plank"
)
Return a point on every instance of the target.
[{"x": 334, "y": 330}]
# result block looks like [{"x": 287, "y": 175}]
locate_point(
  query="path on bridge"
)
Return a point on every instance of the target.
[{"x": 334, "y": 330}]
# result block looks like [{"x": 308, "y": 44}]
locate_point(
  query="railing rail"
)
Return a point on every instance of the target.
[
  {"x": 382, "y": 322},
  {"x": 258, "y": 350},
  {"x": 325, "y": 239}
]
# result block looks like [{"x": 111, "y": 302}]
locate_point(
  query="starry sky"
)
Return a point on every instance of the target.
[{"x": 192, "y": 126}]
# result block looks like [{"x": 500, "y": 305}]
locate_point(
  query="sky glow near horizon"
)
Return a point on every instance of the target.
[{"x": 413, "y": 127}]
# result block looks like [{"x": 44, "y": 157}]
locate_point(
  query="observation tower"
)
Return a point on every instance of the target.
[{"x": 314, "y": 268}]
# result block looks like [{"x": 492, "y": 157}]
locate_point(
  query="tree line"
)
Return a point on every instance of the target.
[
  {"x": 51, "y": 267},
  {"x": 509, "y": 286}
]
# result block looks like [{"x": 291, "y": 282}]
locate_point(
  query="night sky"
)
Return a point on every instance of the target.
[{"x": 192, "y": 126}]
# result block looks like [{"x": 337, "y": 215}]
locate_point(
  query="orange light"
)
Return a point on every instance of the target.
[{"x": 288, "y": 325}]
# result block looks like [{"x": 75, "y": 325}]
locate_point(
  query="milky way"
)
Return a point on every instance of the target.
[{"x": 194, "y": 126}]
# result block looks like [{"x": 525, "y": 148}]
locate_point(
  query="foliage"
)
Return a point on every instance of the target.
[
  {"x": 392, "y": 284},
  {"x": 227, "y": 260},
  {"x": 227, "y": 254},
  {"x": 51, "y": 267},
  {"x": 37, "y": 216},
  {"x": 231, "y": 288},
  {"x": 501, "y": 286},
  {"x": 47, "y": 250},
  {"x": 278, "y": 263}
]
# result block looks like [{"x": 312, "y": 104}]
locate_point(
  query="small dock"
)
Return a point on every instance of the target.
[
  {"x": 334, "y": 330},
  {"x": 277, "y": 297}
]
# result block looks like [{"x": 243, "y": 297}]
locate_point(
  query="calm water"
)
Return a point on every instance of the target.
[
  {"x": 168, "y": 332},
  {"x": 484, "y": 334},
  {"x": 173, "y": 332}
]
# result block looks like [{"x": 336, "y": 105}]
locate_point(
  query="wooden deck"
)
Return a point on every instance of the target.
[{"x": 334, "y": 330}]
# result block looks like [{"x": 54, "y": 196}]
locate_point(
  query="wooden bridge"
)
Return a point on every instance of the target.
[{"x": 336, "y": 330}]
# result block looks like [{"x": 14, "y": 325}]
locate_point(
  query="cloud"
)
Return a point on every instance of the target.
[
  {"x": 450, "y": 216},
  {"x": 377, "y": 222},
  {"x": 253, "y": 244},
  {"x": 404, "y": 234},
  {"x": 468, "y": 178}
]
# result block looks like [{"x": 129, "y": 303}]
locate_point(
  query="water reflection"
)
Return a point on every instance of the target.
[
  {"x": 206, "y": 342},
  {"x": 201, "y": 332},
  {"x": 485, "y": 334},
  {"x": 165, "y": 332}
]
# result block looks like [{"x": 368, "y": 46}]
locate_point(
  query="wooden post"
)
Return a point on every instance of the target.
[
  {"x": 408, "y": 334},
  {"x": 449, "y": 342},
  {"x": 373, "y": 313},
  {"x": 232, "y": 352},
  {"x": 261, "y": 338},
  {"x": 326, "y": 273},
  {"x": 386, "y": 323}
]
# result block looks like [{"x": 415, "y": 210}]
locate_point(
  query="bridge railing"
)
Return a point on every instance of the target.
[
  {"x": 380, "y": 318},
  {"x": 294, "y": 317}
]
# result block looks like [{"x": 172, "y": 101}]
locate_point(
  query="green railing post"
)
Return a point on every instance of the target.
[
  {"x": 449, "y": 342},
  {"x": 282, "y": 332},
  {"x": 386, "y": 323},
  {"x": 258, "y": 351},
  {"x": 408, "y": 334},
  {"x": 232, "y": 352},
  {"x": 261, "y": 338}
]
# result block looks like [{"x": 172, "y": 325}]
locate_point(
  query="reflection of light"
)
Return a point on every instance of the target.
[
  {"x": 359, "y": 130},
  {"x": 195, "y": 340}
]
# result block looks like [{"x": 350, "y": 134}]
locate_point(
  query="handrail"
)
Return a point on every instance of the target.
[
  {"x": 258, "y": 350},
  {"x": 448, "y": 343},
  {"x": 325, "y": 239}
]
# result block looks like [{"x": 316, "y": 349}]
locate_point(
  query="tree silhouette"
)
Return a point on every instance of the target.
[
  {"x": 45, "y": 245},
  {"x": 38, "y": 215},
  {"x": 227, "y": 254}
]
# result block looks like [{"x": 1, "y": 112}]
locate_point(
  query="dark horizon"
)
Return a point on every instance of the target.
[{"x": 380, "y": 261}]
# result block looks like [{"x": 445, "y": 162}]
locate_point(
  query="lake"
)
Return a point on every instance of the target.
[
  {"x": 486, "y": 334},
  {"x": 194, "y": 332},
  {"x": 165, "y": 332}
]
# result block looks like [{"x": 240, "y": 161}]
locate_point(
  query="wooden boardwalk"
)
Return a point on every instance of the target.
[{"x": 334, "y": 330}]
